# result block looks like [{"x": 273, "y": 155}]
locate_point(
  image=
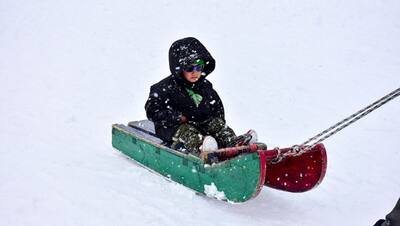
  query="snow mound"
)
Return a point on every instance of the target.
[{"x": 212, "y": 191}]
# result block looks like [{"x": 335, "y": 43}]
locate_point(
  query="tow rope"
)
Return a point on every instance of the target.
[
  {"x": 351, "y": 119},
  {"x": 320, "y": 137}
]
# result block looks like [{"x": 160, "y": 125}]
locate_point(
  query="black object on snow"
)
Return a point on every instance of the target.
[{"x": 392, "y": 219}]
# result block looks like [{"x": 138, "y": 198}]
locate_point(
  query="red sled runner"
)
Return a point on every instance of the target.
[{"x": 296, "y": 173}]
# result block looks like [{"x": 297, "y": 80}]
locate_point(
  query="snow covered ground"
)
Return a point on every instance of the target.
[{"x": 69, "y": 69}]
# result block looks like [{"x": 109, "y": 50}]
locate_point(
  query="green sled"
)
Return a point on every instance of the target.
[{"x": 235, "y": 180}]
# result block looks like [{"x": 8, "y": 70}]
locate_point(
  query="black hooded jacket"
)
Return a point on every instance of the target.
[{"x": 169, "y": 100}]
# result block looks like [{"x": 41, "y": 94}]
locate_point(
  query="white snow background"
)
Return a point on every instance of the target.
[{"x": 288, "y": 69}]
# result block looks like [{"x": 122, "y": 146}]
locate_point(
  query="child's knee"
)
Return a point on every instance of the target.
[
  {"x": 187, "y": 137},
  {"x": 214, "y": 125}
]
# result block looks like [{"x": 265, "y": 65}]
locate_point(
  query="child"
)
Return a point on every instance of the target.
[{"x": 187, "y": 112}]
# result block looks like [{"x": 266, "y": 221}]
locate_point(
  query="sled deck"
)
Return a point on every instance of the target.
[{"x": 237, "y": 179}]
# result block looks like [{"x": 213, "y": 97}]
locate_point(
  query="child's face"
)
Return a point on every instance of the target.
[{"x": 192, "y": 76}]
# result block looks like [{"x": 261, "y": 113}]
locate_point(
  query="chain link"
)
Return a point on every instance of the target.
[{"x": 293, "y": 151}]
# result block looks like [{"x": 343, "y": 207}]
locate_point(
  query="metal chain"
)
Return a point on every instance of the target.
[
  {"x": 294, "y": 151},
  {"x": 304, "y": 147}
]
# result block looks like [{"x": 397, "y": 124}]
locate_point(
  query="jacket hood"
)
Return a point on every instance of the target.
[{"x": 184, "y": 52}]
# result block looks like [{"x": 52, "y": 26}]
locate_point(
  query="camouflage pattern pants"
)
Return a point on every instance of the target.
[{"x": 189, "y": 136}]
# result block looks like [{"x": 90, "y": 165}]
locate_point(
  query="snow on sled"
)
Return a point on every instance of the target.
[{"x": 235, "y": 179}]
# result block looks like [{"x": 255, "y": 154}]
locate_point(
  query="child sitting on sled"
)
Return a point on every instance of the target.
[{"x": 187, "y": 112}]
